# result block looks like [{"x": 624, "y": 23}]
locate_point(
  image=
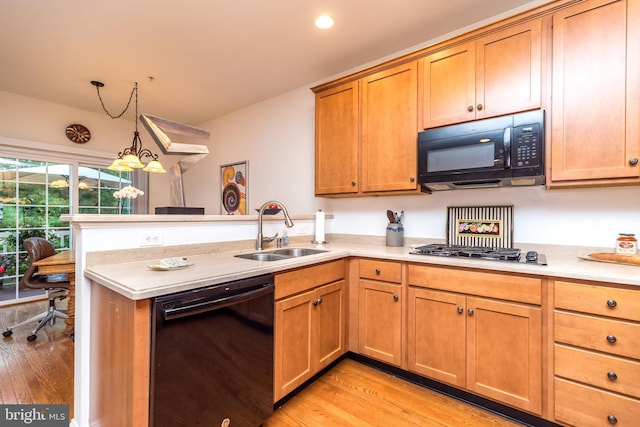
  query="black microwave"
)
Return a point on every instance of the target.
[{"x": 497, "y": 152}]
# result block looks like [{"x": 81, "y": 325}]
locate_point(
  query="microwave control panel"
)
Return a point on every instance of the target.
[{"x": 527, "y": 146}]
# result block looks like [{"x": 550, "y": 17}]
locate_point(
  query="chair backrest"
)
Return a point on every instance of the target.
[{"x": 38, "y": 248}]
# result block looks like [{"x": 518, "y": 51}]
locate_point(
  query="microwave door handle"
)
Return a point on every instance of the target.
[{"x": 507, "y": 148}]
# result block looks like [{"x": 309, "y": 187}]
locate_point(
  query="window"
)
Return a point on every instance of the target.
[{"x": 33, "y": 195}]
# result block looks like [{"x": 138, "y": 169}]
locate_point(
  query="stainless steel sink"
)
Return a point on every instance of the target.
[
  {"x": 263, "y": 256},
  {"x": 280, "y": 254},
  {"x": 296, "y": 252}
]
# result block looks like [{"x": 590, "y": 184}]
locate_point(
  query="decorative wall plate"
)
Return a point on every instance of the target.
[{"x": 78, "y": 133}]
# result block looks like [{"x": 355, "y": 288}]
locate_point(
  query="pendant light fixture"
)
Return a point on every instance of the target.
[{"x": 131, "y": 157}]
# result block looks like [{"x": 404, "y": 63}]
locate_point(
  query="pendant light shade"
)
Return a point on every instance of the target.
[
  {"x": 154, "y": 166},
  {"x": 119, "y": 167}
]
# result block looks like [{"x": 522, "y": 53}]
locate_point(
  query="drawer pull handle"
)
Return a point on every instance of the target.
[
  {"x": 612, "y": 303},
  {"x": 470, "y": 311},
  {"x": 612, "y": 419},
  {"x": 612, "y": 339},
  {"x": 460, "y": 310},
  {"x": 612, "y": 376},
  {"x": 395, "y": 297},
  {"x": 378, "y": 271}
]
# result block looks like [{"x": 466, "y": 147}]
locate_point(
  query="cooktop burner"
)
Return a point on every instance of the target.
[{"x": 480, "y": 252}]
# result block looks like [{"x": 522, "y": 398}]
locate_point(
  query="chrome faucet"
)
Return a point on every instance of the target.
[{"x": 260, "y": 241}]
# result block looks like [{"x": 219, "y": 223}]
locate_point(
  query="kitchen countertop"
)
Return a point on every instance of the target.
[{"x": 136, "y": 280}]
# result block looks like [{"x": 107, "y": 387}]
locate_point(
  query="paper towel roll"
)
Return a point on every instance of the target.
[{"x": 319, "y": 227}]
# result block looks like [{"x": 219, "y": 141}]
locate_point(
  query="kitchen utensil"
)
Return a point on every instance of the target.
[{"x": 391, "y": 216}]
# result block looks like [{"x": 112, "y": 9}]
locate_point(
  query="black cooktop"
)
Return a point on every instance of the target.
[{"x": 481, "y": 252}]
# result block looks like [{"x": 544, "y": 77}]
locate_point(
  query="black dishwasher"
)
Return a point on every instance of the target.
[{"x": 212, "y": 355}]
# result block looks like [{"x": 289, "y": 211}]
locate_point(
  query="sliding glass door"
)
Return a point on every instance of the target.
[{"x": 33, "y": 195}]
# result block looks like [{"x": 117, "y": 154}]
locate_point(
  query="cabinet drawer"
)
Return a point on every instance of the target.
[
  {"x": 496, "y": 285},
  {"x": 596, "y": 369},
  {"x": 596, "y": 333},
  {"x": 293, "y": 282},
  {"x": 579, "y": 405},
  {"x": 381, "y": 270},
  {"x": 602, "y": 300}
]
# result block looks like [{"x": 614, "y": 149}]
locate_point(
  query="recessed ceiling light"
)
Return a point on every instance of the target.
[{"x": 324, "y": 22}]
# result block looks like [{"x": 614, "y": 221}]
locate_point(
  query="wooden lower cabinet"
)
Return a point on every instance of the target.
[
  {"x": 596, "y": 354},
  {"x": 584, "y": 406},
  {"x": 487, "y": 346},
  {"x": 310, "y": 327},
  {"x": 380, "y": 321},
  {"x": 380, "y": 310},
  {"x": 437, "y": 335}
]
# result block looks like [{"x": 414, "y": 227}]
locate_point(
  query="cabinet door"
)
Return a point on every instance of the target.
[
  {"x": 389, "y": 129},
  {"x": 336, "y": 162},
  {"x": 504, "y": 352},
  {"x": 436, "y": 342},
  {"x": 330, "y": 330},
  {"x": 380, "y": 321},
  {"x": 448, "y": 86},
  {"x": 508, "y": 70},
  {"x": 293, "y": 343},
  {"x": 596, "y": 92}
]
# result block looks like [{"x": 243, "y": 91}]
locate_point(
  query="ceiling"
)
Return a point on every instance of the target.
[{"x": 207, "y": 58}]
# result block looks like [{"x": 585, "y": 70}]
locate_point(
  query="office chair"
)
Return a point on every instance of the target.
[{"x": 38, "y": 248}]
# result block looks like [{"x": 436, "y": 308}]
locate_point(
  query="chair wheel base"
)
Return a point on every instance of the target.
[
  {"x": 32, "y": 337},
  {"x": 7, "y": 333}
]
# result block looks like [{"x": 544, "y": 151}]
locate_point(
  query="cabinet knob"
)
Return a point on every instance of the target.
[
  {"x": 395, "y": 297},
  {"x": 470, "y": 108},
  {"x": 633, "y": 161},
  {"x": 378, "y": 271},
  {"x": 353, "y": 183},
  {"x": 412, "y": 179},
  {"x": 612, "y": 303},
  {"x": 316, "y": 302},
  {"x": 470, "y": 312},
  {"x": 612, "y": 339},
  {"x": 479, "y": 107},
  {"x": 460, "y": 310},
  {"x": 612, "y": 376},
  {"x": 612, "y": 419}
]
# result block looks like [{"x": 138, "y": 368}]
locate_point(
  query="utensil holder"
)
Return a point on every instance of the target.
[{"x": 395, "y": 234}]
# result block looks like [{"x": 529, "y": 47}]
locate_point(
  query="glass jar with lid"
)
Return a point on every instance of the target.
[{"x": 626, "y": 244}]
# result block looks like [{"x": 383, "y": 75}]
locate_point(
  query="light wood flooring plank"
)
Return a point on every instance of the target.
[{"x": 353, "y": 394}]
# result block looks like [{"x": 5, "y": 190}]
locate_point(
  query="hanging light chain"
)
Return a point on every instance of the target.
[{"x": 98, "y": 85}]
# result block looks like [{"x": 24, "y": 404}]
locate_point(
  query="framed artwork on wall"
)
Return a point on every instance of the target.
[
  {"x": 487, "y": 226},
  {"x": 234, "y": 186}
]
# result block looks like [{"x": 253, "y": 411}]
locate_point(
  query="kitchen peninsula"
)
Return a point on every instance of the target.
[{"x": 109, "y": 258}]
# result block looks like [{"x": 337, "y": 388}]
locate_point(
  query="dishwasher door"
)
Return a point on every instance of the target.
[{"x": 212, "y": 355}]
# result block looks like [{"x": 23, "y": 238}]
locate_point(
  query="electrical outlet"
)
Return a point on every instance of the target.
[{"x": 151, "y": 238}]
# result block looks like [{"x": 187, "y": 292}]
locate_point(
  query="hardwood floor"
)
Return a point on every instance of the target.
[
  {"x": 41, "y": 371},
  {"x": 350, "y": 394},
  {"x": 353, "y": 394}
]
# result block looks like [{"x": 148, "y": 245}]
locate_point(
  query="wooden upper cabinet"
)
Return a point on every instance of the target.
[
  {"x": 495, "y": 75},
  {"x": 389, "y": 126},
  {"x": 337, "y": 136},
  {"x": 509, "y": 70},
  {"x": 448, "y": 79},
  {"x": 596, "y": 93}
]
